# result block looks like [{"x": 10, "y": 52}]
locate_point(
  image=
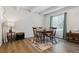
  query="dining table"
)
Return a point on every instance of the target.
[{"x": 44, "y": 33}]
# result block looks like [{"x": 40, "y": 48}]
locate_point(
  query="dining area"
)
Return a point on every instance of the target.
[{"x": 44, "y": 35}]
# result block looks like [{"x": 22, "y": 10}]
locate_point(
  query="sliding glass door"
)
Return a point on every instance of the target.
[{"x": 58, "y": 21}]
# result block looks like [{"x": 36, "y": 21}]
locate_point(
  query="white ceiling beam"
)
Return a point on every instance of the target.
[
  {"x": 40, "y": 9},
  {"x": 34, "y": 9},
  {"x": 53, "y": 10}
]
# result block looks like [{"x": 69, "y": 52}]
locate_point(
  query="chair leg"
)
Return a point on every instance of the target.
[
  {"x": 55, "y": 40},
  {"x": 34, "y": 39},
  {"x": 40, "y": 39},
  {"x": 51, "y": 38}
]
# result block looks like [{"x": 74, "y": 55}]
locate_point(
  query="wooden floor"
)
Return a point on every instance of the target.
[{"x": 25, "y": 46}]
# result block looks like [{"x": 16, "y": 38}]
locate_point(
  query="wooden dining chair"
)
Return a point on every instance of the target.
[
  {"x": 53, "y": 33},
  {"x": 54, "y": 30},
  {"x": 36, "y": 35}
]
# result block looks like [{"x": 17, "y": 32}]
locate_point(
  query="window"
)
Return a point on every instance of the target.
[{"x": 58, "y": 21}]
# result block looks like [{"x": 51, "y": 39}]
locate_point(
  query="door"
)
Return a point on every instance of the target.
[{"x": 58, "y": 21}]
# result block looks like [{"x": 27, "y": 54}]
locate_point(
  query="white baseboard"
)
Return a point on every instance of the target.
[{"x": 28, "y": 37}]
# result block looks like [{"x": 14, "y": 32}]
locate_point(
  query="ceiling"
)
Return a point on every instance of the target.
[{"x": 43, "y": 10}]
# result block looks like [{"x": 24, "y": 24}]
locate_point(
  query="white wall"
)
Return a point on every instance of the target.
[
  {"x": 1, "y": 20},
  {"x": 24, "y": 20},
  {"x": 27, "y": 21},
  {"x": 0, "y": 32},
  {"x": 72, "y": 18},
  {"x": 46, "y": 21}
]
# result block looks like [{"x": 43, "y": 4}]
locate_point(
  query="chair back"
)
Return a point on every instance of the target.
[
  {"x": 40, "y": 27},
  {"x": 54, "y": 30},
  {"x": 34, "y": 30}
]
